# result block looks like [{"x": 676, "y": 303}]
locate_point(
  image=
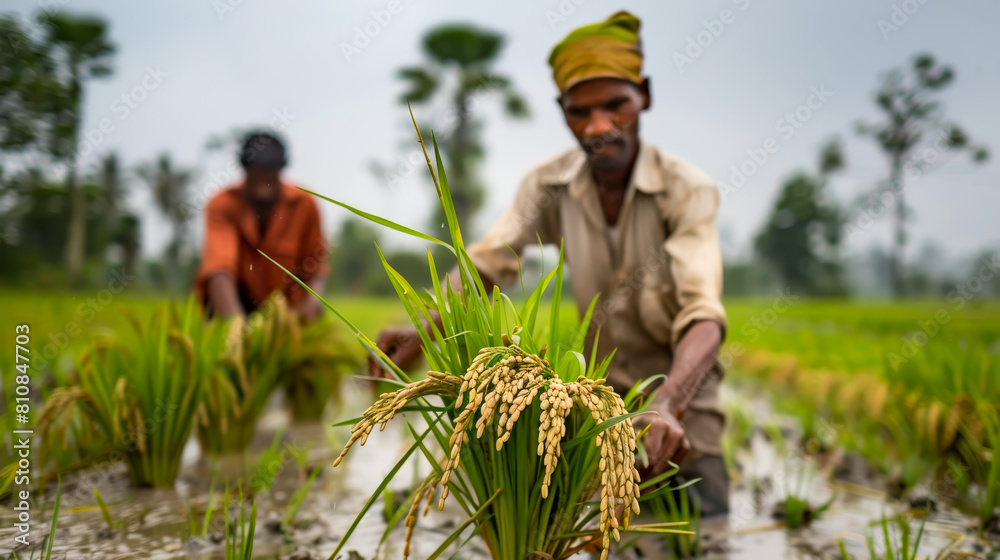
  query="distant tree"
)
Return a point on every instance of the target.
[
  {"x": 801, "y": 238},
  {"x": 124, "y": 225},
  {"x": 30, "y": 95},
  {"x": 461, "y": 58},
  {"x": 170, "y": 193},
  {"x": 914, "y": 125},
  {"x": 354, "y": 256},
  {"x": 357, "y": 268},
  {"x": 80, "y": 46}
]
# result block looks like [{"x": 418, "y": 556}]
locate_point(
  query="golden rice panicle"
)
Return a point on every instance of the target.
[
  {"x": 386, "y": 407},
  {"x": 528, "y": 389},
  {"x": 476, "y": 381},
  {"x": 619, "y": 477},
  {"x": 556, "y": 405},
  {"x": 426, "y": 488}
]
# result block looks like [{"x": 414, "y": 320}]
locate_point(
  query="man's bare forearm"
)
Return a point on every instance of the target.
[
  {"x": 222, "y": 296},
  {"x": 693, "y": 359},
  {"x": 318, "y": 284}
]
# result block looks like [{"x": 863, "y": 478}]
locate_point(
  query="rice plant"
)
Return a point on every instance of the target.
[
  {"x": 798, "y": 512},
  {"x": 298, "y": 498},
  {"x": 673, "y": 504},
  {"x": 105, "y": 512},
  {"x": 140, "y": 390},
  {"x": 528, "y": 430},
  {"x": 239, "y": 534},
  {"x": 257, "y": 350},
  {"x": 910, "y": 418},
  {"x": 268, "y": 465},
  {"x": 982, "y": 466},
  {"x": 315, "y": 370},
  {"x": 898, "y": 542},
  {"x": 51, "y": 536},
  {"x": 199, "y": 527}
]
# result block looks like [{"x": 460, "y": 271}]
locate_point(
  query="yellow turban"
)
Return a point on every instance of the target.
[{"x": 609, "y": 49}]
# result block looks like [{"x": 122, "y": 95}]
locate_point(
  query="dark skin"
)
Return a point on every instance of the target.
[
  {"x": 603, "y": 115},
  {"x": 262, "y": 187}
]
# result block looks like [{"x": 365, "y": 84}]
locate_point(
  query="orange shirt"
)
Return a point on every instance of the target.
[{"x": 293, "y": 237}]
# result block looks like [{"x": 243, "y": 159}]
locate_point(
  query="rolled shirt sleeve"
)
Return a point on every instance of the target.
[
  {"x": 220, "y": 254},
  {"x": 696, "y": 260}
]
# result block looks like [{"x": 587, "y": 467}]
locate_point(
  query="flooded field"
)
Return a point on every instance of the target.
[{"x": 155, "y": 524}]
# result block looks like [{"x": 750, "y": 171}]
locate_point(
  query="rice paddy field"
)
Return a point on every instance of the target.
[
  {"x": 854, "y": 430},
  {"x": 135, "y": 428}
]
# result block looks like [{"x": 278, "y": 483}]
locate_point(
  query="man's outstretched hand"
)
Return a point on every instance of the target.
[
  {"x": 665, "y": 441},
  {"x": 401, "y": 345}
]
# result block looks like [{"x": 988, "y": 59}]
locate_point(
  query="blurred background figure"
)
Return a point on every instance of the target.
[{"x": 261, "y": 214}]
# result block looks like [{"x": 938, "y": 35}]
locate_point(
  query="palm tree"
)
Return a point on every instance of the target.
[
  {"x": 911, "y": 118},
  {"x": 85, "y": 51},
  {"x": 467, "y": 54},
  {"x": 170, "y": 193}
]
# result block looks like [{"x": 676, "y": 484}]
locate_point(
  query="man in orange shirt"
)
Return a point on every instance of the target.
[{"x": 262, "y": 213}]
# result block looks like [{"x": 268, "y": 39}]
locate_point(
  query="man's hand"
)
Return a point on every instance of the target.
[
  {"x": 401, "y": 345},
  {"x": 665, "y": 441}
]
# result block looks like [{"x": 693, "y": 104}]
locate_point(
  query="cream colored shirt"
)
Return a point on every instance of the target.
[{"x": 660, "y": 272}]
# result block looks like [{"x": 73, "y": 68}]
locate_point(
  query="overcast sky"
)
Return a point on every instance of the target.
[{"x": 238, "y": 63}]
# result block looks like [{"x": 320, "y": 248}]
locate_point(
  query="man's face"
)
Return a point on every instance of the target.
[
  {"x": 604, "y": 116},
  {"x": 262, "y": 186}
]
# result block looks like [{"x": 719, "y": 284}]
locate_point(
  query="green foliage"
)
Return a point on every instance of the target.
[
  {"x": 257, "y": 350},
  {"x": 314, "y": 372},
  {"x": 268, "y": 465},
  {"x": 196, "y": 529},
  {"x": 169, "y": 186},
  {"x": 140, "y": 390},
  {"x": 298, "y": 498},
  {"x": 897, "y": 541},
  {"x": 801, "y": 238},
  {"x": 981, "y": 463},
  {"x": 674, "y": 505},
  {"x": 30, "y": 91},
  {"x": 105, "y": 513},
  {"x": 359, "y": 269},
  {"x": 239, "y": 534}
]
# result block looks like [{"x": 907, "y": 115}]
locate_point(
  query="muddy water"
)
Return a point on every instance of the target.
[{"x": 149, "y": 524}]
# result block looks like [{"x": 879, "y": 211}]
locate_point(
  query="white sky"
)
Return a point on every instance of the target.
[{"x": 237, "y": 69}]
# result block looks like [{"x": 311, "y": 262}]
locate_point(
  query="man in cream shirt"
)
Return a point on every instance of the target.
[{"x": 638, "y": 228}]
